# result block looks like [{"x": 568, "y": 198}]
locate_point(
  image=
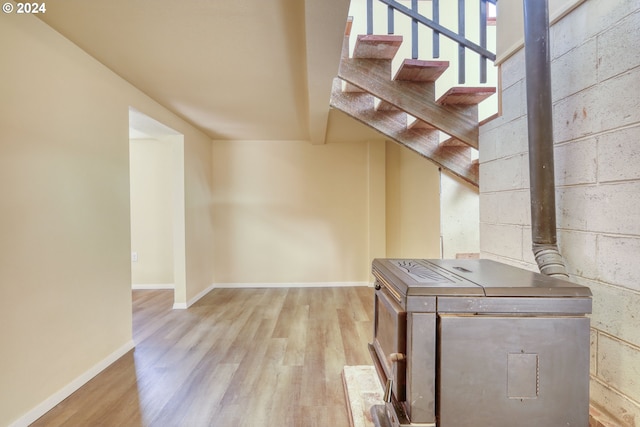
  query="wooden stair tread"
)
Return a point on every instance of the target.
[
  {"x": 416, "y": 70},
  {"x": 466, "y": 95},
  {"x": 377, "y": 46}
]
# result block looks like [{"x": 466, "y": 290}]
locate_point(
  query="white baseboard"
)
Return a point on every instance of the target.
[
  {"x": 290, "y": 285},
  {"x": 182, "y": 306},
  {"x": 138, "y": 286},
  {"x": 74, "y": 385}
]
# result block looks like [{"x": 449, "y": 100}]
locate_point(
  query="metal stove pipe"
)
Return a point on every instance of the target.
[{"x": 540, "y": 126}]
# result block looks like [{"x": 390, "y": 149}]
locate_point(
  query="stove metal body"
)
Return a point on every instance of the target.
[{"x": 475, "y": 342}]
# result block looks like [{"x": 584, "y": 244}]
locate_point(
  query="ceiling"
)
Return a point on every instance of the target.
[{"x": 237, "y": 70}]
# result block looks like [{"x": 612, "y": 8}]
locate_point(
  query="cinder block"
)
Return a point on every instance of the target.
[
  {"x": 570, "y": 207},
  {"x": 619, "y": 366},
  {"x": 489, "y": 207},
  {"x": 502, "y": 174},
  {"x": 509, "y": 139},
  {"x": 575, "y": 162},
  {"x": 579, "y": 250},
  {"x": 501, "y": 240},
  {"x": 514, "y": 207},
  {"x": 513, "y": 69},
  {"x": 570, "y": 32},
  {"x": 619, "y": 406},
  {"x": 514, "y": 138},
  {"x": 527, "y": 247},
  {"x": 618, "y": 101},
  {"x": 615, "y": 310},
  {"x": 586, "y": 21},
  {"x": 487, "y": 143},
  {"x": 619, "y": 155},
  {"x": 574, "y": 71},
  {"x": 618, "y": 261},
  {"x": 514, "y": 101},
  {"x": 618, "y": 47},
  {"x": 607, "y": 106},
  {"x": 575, "y": 116},
  {"x": 608, "y": 208}
]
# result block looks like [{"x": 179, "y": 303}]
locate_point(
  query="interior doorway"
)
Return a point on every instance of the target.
[{"x": 156, "y": 171}]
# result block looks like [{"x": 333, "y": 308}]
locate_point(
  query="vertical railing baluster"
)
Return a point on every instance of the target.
[
  {"x": 461, "y": 32},
  {"x": 369, "y": 16},
  {"x": 437, "y": 30},
  {"x": 483, "y": 40},
  {"x": 414, "y": 31},
  {"x": 436, "y": 35}
]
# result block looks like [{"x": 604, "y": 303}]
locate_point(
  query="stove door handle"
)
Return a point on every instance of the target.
[{"x": 397, "y": 357}]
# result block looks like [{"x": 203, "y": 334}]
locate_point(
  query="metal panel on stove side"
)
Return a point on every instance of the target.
[
  {"x": 508, "y": 371},
  {"x": 421, "y": 367}
]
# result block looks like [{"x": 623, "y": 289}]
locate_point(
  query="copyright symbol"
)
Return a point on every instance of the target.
[{"x": 7, "y": 8}]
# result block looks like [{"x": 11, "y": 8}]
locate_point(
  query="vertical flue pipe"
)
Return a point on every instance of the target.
[{"x": 540, "y": 129}]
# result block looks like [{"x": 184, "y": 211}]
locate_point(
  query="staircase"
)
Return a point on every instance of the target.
[{"x": 403, "y": 107}]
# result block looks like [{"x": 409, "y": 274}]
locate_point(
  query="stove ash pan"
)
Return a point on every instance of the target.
[{"x": 461, "y": 343}]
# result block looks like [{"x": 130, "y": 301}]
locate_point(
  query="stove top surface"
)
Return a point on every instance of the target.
[{"x": 478, "y": 277}]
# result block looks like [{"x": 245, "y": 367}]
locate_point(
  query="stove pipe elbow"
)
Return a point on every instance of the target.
[{"x": 549, "y": 260}]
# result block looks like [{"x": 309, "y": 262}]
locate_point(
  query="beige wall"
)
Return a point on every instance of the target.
[
  {"x": 151, "y": 173},
  {"x": 65, "y": 270},
  {"x": 288, "y": 212},
  {"x": 595, "y": 73},
  {"x": 254, "y": 212},
  {"x": 292, "y": 213},
  {"x": 413, "y": 204}
]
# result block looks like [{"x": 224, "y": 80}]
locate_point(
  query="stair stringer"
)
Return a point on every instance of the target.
[
  {"x": 417, "y": 99},
  {"x": 393, "y": 124}
]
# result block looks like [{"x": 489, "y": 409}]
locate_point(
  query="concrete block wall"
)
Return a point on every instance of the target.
[{"x": 595, "y": 52}]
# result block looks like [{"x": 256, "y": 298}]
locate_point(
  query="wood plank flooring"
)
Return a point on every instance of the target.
[{"x": 238, "y": 357}]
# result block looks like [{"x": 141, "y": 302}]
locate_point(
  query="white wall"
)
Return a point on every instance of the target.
[{"x": 595, "y": 82}]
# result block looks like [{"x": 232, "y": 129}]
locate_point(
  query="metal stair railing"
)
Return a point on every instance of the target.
[{"x": 437, "y": 29}]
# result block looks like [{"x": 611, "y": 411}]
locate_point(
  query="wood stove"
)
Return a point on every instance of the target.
[{"x": 475, "y": 342}]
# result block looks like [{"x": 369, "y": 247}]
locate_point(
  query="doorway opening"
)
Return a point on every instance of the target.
[{"x": 156, "y": 171}]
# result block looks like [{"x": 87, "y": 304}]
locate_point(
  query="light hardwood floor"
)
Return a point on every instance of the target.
[{"x": 238, "y": 357}]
